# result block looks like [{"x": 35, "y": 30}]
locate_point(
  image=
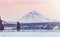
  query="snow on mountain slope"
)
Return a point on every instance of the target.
[
  {"x": 11, "y": 22},
  {"x": 4, "y": 22},
  {"x": 34, "y": 17}
]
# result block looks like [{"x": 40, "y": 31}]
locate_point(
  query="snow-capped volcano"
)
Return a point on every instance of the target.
[{"x": 34, "y": 17}]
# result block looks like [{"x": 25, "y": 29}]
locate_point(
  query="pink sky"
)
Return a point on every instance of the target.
[{"x": 14, "y": 9}]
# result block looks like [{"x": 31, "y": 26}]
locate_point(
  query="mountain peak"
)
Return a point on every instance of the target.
[
  {"x": 34, "y": 17},
  {"x": 33, "y": 12}
]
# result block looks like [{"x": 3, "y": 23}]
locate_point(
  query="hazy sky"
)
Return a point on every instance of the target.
[{"x": 15, "y": 9}]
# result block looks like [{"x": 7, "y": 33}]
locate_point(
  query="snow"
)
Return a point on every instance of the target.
[
  {"x": 56, "y": 28},
  {"x": 9, "y": 28},
  {"x": 30, "y": 34},
  {"x": 4, "y": 22},
  {"x": 34, "y": 17}
]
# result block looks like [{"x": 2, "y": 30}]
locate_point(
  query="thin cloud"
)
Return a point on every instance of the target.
[{"x": 6, "y": 3}]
